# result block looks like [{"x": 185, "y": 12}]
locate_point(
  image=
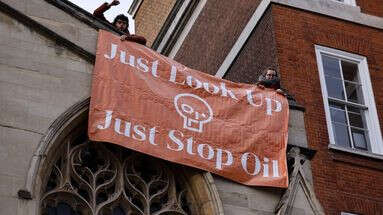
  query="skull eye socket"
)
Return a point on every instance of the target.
[{"x": 187, "y": 108}]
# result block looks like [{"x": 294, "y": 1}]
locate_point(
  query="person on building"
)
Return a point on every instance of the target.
[
  {"x": 121, "y": 22},
  {"x": 270, "y": 79}
]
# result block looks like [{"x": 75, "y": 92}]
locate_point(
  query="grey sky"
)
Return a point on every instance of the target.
[{"x": 91, "y": 5}]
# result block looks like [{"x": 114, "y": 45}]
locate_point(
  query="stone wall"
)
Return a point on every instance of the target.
[{"x": 39, "y": 80}]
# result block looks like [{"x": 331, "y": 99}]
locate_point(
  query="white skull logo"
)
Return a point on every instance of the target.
[{"x": 194, "y": 110}]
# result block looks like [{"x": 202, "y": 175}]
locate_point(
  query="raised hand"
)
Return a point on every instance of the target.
[
  {"x": 123, "y": 37},
  {"x": 114, "y": 2}
]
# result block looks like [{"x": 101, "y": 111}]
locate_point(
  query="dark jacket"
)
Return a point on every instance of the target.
[
  {"x": 273, "y": 83},
  {"x": 99, "y": 12}
]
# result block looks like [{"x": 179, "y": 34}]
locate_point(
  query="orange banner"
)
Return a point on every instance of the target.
[{"x": 149, "y": 103}]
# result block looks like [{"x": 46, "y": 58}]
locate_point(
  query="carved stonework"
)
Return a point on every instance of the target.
[
  {"x": 99, "y": 178},
  {"x": 298, "y": 181}
]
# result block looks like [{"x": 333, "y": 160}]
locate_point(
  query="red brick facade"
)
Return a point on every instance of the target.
[
  {"x": 214, "y": 33},
  {"x": 258, "y": 53},
  {"x": 342, "y": 182},
  {"x": 372, "y": 7}
]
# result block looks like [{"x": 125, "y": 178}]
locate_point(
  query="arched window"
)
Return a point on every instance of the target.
[{"x": 88, "y": 178}]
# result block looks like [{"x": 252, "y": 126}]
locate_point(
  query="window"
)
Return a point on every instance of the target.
[
  {"x": 98, "y": 178},
  {"x": 351, "y": 115},
  {"x": 349, "y": 2}
]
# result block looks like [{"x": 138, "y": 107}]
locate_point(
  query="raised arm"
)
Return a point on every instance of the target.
[{"x": 99, "y": 12}]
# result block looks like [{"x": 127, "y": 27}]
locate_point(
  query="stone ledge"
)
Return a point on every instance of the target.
[
  {"x": 355, "y": 152},
  {"x": 82, "y": 15},
  {"x": 334, "y": 9}
]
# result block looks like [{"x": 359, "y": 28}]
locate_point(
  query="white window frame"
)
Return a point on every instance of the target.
[
  {"x": 348, "y": 2},
  {"x": 372, "y": 120}
]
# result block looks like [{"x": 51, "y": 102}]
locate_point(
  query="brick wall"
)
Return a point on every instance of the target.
[
  {"x": 214, "y": 33},
  {"x": 151, "y": 16},
  {"x": 258, "y": 53},
  {"x": 342, "y": 182},
  {"x": 372, "y": 7}
]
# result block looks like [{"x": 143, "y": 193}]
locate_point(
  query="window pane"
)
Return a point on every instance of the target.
[
  {"x": 354, "y": 109},
  {"x": 51, "y": 211},
  {"x": 354, "y": 92},
  {"x": 356, "y": 119},
  {"x": 65, "y": 209},
  {"x": 61, "y": 209},
  {"x": 335, "y": 88},
  {"x": 331, "y": 66},
  {"x": 338, "y": 113},
  {"x": 118, "y": 211},
  {"x": 359, "y": 138},
  {"x": 341, "y": 135},
  {"x": 350, "y": 71}
]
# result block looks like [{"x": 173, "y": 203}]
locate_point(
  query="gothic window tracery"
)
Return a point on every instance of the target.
[{"x": 91, "y": 178}]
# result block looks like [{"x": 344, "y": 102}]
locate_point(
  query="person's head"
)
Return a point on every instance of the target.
[
  {"x": 270, "y": 74},
  {"x": 269, "y": 78},
  {"x": 121, "y": 22}
]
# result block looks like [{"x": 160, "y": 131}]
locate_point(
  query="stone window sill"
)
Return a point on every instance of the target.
[{"x": 357, "y": 152}]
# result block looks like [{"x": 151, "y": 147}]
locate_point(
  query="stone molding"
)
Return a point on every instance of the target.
[
  {"x": 177, "y": 42},
  {"x": 336, "y": 10},
  {"x": 298, "y": 179},
  {"x": 134, "y": 7},
  {"x": 356, "y": 152},
  {"x": 60, "y": 127},
  {"x": 83, "y": 15},
  {"x": 174, "y": 25}
]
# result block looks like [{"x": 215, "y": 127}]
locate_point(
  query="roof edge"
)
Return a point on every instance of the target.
[
  {"x": 82, "y": 15},
  {"x": 336, "y": 10}
]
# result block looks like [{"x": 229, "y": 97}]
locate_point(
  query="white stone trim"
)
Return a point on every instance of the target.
[
  {"x": 334, "y": 9},
  {"x": 173, "y": 25},
  {"x": 57, "y": 131},
  {"x": 242, "y": 38},
  {"x": 349, "y": 2},
  {"x": 357, "y": 152},
  {"x": 134, "y": 7},
  {"x": 187, "y": 28},
  {"x": 372, "y": 119},
  {"x": 213, "y": 191}
]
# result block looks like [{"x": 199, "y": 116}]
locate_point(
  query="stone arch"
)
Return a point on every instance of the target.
[{"x": 199, "y": 183}]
